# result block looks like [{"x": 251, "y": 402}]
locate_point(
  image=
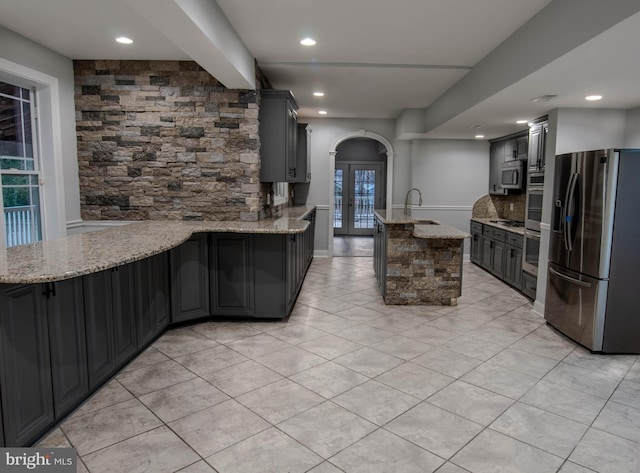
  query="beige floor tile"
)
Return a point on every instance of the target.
[
  {"x": 183, "y": 399},
  {"x": 289, "y": 361},
  {"x": 279, "y": 401},
  {"x": 606, "y": 453},
  {"x": 330, "y": 346},
  {"x": 268, "y": 452},
  {"x": 368, "y": 362},
  {"x": 211, "y": 359},
  {"x": 154, "y": 377},
  {"x": 447, "y": 362},
  {"x": 491, "y": 452},
  {"x": 474, "y": 403},
  {"x": 100, "y": 429},
  {"x": 329, "y": 379},
  {"x": 218, "y": 427},
  {"x": 415, "y": 380},
  {"x": 376, "y": 402},
  {"x": 327, "y": 429},
  {"x": 242, "y": 378},
  {"x": 384, "y": 452},
  {"x": 158, "y": 450}
]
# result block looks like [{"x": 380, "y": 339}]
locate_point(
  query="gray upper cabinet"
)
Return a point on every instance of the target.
[
  {"x": 303, "y": 155},
  {"x": 25, "y": 365},
  {"x": 278, "y": 136},
  {"x": 496, "y": 158},
  {"x": 537, "y": 140}
]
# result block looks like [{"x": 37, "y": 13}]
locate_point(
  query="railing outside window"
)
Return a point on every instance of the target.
[{"x": 21, "y": 225}]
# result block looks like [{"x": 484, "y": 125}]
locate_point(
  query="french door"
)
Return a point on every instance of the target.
[{"x": 358, "y": 190}]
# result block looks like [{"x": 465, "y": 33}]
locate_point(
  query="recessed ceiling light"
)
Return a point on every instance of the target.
[
  {"x": 521, "y": 122},
  {"x": 319, "y": 94},
  {"x": 124, "y": 40},
  {"x": 308, "y": 42},
  {"x": 593, "y": 97},
  {"x": 479, "y": 136},
  {"x": 322, "y": 112},
  {"x": 544, "y": 98}
]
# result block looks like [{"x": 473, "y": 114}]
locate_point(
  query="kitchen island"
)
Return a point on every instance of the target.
[{"x": 417, "y": 261}]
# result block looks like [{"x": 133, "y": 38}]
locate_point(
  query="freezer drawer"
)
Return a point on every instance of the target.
[{"x": 575, "y": 305}]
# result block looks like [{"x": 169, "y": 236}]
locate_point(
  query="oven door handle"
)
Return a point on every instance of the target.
[{"x": 570, "y": 279}]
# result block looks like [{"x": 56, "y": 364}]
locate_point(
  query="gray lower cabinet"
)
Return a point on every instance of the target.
[
  {"x": 25, "y": 374},
  {"x": 231, "y": 275},
  {"x": 152, "y": 286},
  {"x": 67, "y": 344},
  {"x": 190, "y": 293},
  {"x": 380, "y": 256},
  {"x": 101, "y": 352},
  {"x": 123, "y": 295},
  {"x": 513, "y": 260},
  {"x": 493, "y": 250},
  {"x": 476, "y": 243}
]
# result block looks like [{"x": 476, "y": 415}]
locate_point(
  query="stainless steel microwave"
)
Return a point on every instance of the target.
[{"x": 513, "y": 175}]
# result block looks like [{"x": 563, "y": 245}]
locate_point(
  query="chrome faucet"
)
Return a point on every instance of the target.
[{"x": 406, "y": 200}]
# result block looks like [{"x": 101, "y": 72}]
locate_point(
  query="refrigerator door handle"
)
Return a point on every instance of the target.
[
  {"x": 571, "y": 208},
  {"x": 570, "y": 279},
  {"x": 565, "y": 213}
]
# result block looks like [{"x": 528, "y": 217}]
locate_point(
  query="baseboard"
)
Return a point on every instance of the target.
[
  {"x": 538, "y": 308},
  {"x": 320, "y": 253}
]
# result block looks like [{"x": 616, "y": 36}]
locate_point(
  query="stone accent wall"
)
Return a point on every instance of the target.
[
  {"x": 421, "y": 271},
  {"x": 165, "y": 140}
]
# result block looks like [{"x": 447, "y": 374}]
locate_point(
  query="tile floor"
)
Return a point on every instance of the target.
[
  {"x": 348, "y": 384},
  {"x": 352, "y": 245}
]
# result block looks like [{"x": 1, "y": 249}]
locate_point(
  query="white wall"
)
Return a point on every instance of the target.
[
  {"x": 632, "y": 131},
  {"x": 18, "y": 50},
  {"x": 577, "y": 129},
  {"x": 325, "y": 133},
  {"x": 452, "y": 175}
]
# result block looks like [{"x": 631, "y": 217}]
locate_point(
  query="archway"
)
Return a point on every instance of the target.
[{"x": 332, "y": 167}]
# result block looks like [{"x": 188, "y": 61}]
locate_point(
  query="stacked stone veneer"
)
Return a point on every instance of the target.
[
  {"x": 165, "y": 140},
  {"x": 421, "y": 271}
]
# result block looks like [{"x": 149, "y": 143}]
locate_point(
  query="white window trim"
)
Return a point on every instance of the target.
[{"x": 49, "y": 144}]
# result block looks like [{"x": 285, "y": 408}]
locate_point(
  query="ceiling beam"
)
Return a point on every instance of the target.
[
  {"x": 557, "y": 29},
  {"x": 201, "y": 29}
]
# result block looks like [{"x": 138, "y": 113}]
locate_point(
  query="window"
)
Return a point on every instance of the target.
[{"x": 19, "y": 166}]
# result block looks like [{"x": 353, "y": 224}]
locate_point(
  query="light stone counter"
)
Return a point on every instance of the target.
[
  {"x": 87, "y": 253},
  {"x": 422, "y": 227},
  {"x": 492, "y": 222}
]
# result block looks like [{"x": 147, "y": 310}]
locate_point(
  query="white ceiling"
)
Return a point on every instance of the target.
[{"x": 373, "y": 59}]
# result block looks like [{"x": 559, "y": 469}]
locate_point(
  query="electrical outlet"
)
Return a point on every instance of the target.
[{"x": 511, "y": 206}]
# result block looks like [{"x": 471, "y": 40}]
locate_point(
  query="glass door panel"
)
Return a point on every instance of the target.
[
  {"x": 362, "y": 199},
  {"x": 337, "y": 203}
]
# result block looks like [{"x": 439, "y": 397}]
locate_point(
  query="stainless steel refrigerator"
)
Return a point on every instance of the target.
[{"x": 593, "y": 283}]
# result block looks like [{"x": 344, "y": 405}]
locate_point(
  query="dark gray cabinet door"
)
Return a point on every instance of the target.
[
  {"x": 152, "y": 283},
  {"x": 232, "y": 276},
  {"x": 25, "y": 369},
  {"x": 67, "y": 341},
  {"x": 190, "y": 295},
  {"x": 487, "y": 253},
  {"x": 498, "y": 258},
  {"x": 2, "y": 444},
  {"x": 98, "y": 305},
  {"x": 380, "y": 255},
  {"x": 496, "y": 158},
  {"x": 513, "y": 266},
  {"x": 123, "y": 295},
  {"x": 303, "y": 153},
  {"x": 270, "y": 270},
  {"x": 278, "y": 136}
]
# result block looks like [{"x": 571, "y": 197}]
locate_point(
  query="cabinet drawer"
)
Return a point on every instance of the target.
[
  {"x": 514, "y": 239},
  {"x": 487, "y": 231},
  {"x": 529, "y": 283},
  {"x": 476, "y": 227},
  {"x": 499, "y": 235}
]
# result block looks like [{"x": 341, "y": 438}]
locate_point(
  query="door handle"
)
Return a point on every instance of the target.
[{"x": 570, "y": 279}]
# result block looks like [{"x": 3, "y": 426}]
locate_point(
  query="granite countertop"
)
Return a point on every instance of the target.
[
  {"x": 488, "y": 221},
  {"x": 422, "y": 227},
  {"x": 87, "y": 253}
]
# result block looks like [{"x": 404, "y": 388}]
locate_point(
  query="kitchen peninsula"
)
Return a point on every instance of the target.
[
  {"x": 417, "y": 261},
  {"x": 74, "y": 311}
]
